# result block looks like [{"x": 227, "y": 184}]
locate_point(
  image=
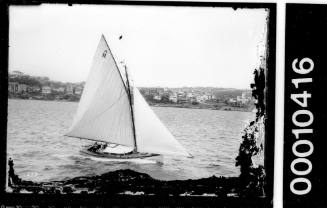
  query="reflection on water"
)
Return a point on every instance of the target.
[{"x": 41, "y": 152}]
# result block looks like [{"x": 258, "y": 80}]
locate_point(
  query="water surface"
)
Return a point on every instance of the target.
[{"x": 41, "y": 152}]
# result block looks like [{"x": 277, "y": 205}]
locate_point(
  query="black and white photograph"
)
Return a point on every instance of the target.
[{"x": 141, "y": 100}]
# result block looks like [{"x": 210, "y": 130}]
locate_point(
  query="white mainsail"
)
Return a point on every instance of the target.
[
  {"x": 151, "y": 134},
  {"x": 103, "y": 112}
]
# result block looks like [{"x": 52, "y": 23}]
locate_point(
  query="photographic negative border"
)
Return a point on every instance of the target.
[
  {"x": 305, "y": 110},
  {"x": 88, "y": 200}
]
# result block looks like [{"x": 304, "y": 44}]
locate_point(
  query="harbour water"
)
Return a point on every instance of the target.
[{"x": 41, "y": 152}]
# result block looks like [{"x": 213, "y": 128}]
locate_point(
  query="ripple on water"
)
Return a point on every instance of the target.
[{"x": 40, "y": 151}]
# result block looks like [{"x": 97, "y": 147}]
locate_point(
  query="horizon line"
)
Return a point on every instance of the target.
[{"x": 154, "y": 86}]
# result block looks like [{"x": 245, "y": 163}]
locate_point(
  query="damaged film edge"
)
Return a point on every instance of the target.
[{"x": 195, "y": 134}]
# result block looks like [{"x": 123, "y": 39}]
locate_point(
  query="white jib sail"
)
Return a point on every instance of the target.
[
  {"x": 151, "y": 134},
  {"x": 103, "y": 112}
]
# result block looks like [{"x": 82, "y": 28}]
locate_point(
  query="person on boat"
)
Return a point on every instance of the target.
[
  {"x": 101, "y": 147},
  {"x": 95, "y": 147},
  {"x": 104, "y": 146}
]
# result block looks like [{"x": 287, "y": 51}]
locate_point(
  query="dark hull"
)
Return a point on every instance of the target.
[{"x": 137, "y": 155}]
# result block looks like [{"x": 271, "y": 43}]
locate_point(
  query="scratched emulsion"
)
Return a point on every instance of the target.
[{"x": 41, "y": 152}]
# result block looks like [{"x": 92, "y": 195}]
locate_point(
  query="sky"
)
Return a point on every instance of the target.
[{"x": 161, "y": 45}]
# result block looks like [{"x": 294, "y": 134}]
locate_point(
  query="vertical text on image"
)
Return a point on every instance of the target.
[{"x": 301, "y": 127}]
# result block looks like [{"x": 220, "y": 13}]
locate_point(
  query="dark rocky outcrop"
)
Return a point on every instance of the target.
[
  {"x": 127, "y": 182},
  {"x": 252, "y": 177}
]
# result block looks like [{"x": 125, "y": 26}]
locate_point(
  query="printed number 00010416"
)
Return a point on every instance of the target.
[{"x": 301, "y": 126}]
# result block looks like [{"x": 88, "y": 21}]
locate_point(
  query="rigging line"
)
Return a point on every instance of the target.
[
  {"x": 128, "y": 132},
  {"x": 121, "y": 77},
  {"x": 131, "y": 133},
  {"x": 131, "y": 108},
  {"x": 109, "y": 107}
]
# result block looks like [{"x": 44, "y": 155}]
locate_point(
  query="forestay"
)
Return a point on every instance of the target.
[
  {"x": 151, "y": 134},
  {"x": 103, "y": 112}
]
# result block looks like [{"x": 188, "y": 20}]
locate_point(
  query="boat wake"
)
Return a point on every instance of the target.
[{"x": 132, "y": 160}]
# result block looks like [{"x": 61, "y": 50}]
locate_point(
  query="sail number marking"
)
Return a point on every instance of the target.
[
  {"x": 104, "y": 54},
  {"x": 302, "y": 120}
]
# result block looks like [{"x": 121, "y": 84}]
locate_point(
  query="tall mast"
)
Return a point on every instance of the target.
[{"x": 131, "y": 106}]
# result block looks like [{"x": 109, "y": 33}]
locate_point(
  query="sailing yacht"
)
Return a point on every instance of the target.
[{"x": 116, "y": 116}]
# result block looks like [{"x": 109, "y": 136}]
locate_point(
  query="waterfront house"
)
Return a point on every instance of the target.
[
  {"x": 202, "y": 98},
  {"x": 33, "y": 89},
  {"x": 173, "y": 98},
  {"x": 181, "y": 98},
  {"x": 193, "y": 100},
  {"x": 78, "y": 90},
  {"x": 152, "y": 91},
  {"x": 16, "y": 74},
  {"x": 157, "y": 97},
  {"x": 199, "y": 99},
  {"x": 189, "y": 95},
  {"x": 232, "y": 101},
  {"x": 208, "y": 96},
  {"x": 144, "y": 91},
  {"x": 15, "y": 87},
  {"x": 156, "y": 91},
  {"x": 58, "y": 89},
  {"x": 69, "y": 89},
  {"x": 61, "y": 89},
  {"x": 241, "y": 99},
  {"x": 160, "y": 91},
  {"x": 22, "y": 88},
  {"x": 46, "y": 90}
]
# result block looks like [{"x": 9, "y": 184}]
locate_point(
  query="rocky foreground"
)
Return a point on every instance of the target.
[{"x": 127, "y": 182}]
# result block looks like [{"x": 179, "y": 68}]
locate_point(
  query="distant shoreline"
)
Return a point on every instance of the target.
[
  {"x": 223, "y": 108},
  {"x": 171, "y": 105},
  {"x": 56, "y": 100}
]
